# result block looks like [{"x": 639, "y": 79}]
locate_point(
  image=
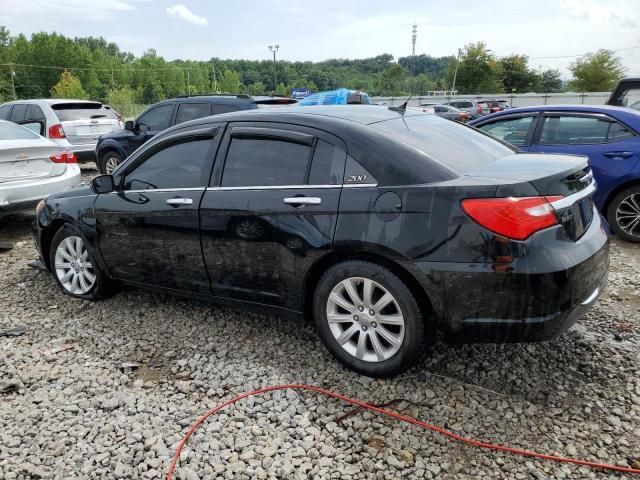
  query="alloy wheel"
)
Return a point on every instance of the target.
[
  {"x": 365, "y": 319},
  {"x": 628, "y": 215},
  {"x": 72, "y": 266},
  {"x": 110, "y": 164}
]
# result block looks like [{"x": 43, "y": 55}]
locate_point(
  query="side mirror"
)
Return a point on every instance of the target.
[
  {"x": 103, "y": 184},
  {"x": 128, "y": 125}
]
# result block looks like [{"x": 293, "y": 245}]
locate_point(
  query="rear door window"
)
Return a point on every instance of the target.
[
  {"x": 34, "y": 112},
  {"x": 618, "y": 132},
  {"x": 255, "y": 162},
  {"x": 5, "y": 111},
  {"x": 68, "y": 112},
  {"x": 512, "y": 130},
  {"x": 574, "y": 130},
  {"x": 327, "y": 166},
  {"x": 222, "y": 108},
  {"x": 191, "y": 111},
  {"x": 19, "y": 111}
]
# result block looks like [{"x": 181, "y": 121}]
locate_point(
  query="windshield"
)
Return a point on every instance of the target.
[
  {"x": 11, "y": 131},
  {"x": 455, "y": 145},
  {"x": 83, "y": 111}
]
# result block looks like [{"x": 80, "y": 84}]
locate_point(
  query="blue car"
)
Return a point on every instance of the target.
[
  {"x": 609, "y": 136},
  {"x": 341, "y": 96}
]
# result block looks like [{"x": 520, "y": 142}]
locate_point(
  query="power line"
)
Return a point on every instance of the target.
[{"x": 583, "y": 54}]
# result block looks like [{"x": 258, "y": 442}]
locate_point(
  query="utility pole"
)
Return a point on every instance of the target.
[
  {"x": 188, "y": 83},
  {"x": 414, "y": 35},
  {"x": 215, "y": 80},
  {"x": 455, "y": 72},
  {"x": 274, "y": 49},
  {"x": 13, "y": 84}
]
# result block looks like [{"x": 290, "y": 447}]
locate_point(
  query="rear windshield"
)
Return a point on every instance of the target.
[
  {"x": 455, "y": 145},
  {"x": 11, "y": 131},
  {"x": 82, "y": 111}
]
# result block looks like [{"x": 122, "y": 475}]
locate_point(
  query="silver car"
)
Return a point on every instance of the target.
[
  {"x": 31, "y": 168},
  {"x": 72, "y": 124},
  {"x": 475, "y": 108}
]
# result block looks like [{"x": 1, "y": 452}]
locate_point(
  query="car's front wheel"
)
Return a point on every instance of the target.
[
  {"x": 73, "y": 267},
  {"x": 109, "y": 162},
  {"x": 369, "y": 319},
  {"x": 623, "y": 214}
]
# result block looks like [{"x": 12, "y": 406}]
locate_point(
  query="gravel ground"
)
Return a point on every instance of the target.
[{"x": 79, "y": 412}]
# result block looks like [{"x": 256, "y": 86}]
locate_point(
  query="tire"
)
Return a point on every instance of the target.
[
  {"x": 76, "y": 279},
  {"x": 109, "y": 161},
  {"x": 623, "y": 214},
  {"x": 374, "y": 355}
]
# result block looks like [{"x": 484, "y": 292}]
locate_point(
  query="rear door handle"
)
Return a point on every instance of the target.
[
  {"x": 618, "y": 154},
  {"x": 175, "y": 202},
  {"x": 298, "y": 201}
]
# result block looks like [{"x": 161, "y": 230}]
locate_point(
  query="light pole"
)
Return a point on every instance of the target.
[
  {"x": 455, "y": 72},
  {"x": 274, "y": 49}
]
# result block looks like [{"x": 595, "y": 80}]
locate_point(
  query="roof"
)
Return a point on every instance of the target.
[
  {"x": 362, "y": 114},
  {"x": 618, "y": 112},
  {"x": 54, "y": 101}
]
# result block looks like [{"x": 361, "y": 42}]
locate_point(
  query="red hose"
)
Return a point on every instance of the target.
[{"x": 397, "y": 416}]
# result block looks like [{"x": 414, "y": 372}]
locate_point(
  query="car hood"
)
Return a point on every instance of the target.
[{"x": 81, "y": 190}]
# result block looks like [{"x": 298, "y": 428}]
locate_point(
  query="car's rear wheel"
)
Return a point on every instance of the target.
[
  {"x": 109, "y": 162},
  {"x": 368, "y": 318},
  {"x": 623, "y": 214},
  {"x": 73, "y": 267}
]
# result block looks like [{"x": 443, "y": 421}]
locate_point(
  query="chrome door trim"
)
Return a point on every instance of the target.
[{"x": 302, "y": 200}]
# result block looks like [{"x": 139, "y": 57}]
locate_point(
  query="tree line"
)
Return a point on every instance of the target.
[{"x": 50, "y": 64}]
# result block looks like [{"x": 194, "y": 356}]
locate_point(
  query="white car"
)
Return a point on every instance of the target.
[
  {"x": 75, "y": 125},
  {"x": 32, "y": 168}
]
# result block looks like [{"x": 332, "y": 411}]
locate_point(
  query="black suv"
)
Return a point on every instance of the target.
[{"x": 114, "y": 147}]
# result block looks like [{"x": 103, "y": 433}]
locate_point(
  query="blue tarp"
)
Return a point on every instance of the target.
[{"x": 333, "y": 97}]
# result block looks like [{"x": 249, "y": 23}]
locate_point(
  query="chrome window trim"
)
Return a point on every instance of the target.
[
  {"x": 289, "y": 187},
  {"x": 147, "y": 190}
]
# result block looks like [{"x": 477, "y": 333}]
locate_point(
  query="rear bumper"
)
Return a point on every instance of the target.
[
  {"x": 20, "y": 196},
  {"x": 539, "y": 295},
  {"x": 85, "y": 152}
]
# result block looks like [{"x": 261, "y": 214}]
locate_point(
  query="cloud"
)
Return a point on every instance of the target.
[
  {"x": 187, "y": 15},
  {"x": 41, "y": 10}
]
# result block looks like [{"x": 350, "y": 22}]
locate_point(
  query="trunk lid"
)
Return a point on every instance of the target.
[
  {"x": 27, "y": 160},
  {"x": 84, "y": 122},
  {"x": 550, "y": 175}
]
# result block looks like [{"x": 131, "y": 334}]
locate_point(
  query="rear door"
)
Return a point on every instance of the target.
[
  {"x": 613, "y": 149},
  {"x": 84, "y": 122},
  {"x": 191, "y": 111},
  {"x": 148, "y": 229},
  {"x": 270, "y": 211}
]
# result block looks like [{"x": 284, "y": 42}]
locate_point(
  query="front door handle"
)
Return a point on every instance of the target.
[
  {"x": 618, "y": 154},
  {"x": 176, "y": 202},
  {"x": 299, "y": 201}
]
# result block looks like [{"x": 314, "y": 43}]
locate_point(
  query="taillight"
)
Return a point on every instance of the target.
[
  {"x": 64, "y": 157},
  {"x": 512, "y": 217},
  {"x": 56, "y": 131}
]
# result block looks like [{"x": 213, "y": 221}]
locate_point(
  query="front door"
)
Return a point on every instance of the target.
[
  {"x": 148, "y": 229},
  {"x": 270, "y": 212}
]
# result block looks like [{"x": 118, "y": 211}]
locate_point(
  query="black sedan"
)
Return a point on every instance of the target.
[{"x": 380, "y": 225}]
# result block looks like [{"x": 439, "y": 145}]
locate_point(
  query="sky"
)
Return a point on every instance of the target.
[{"x": 318, "y": 30}]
